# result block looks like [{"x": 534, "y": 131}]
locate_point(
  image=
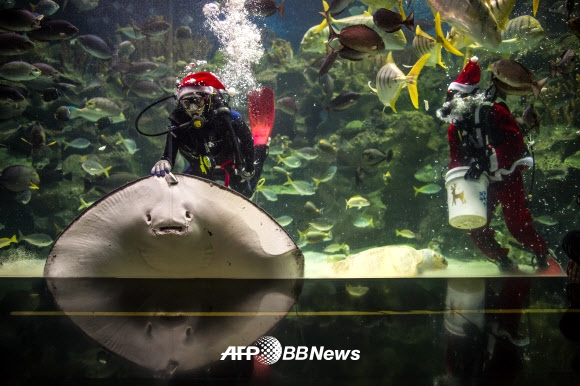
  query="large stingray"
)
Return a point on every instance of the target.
[{"x": 196, "y": 230}]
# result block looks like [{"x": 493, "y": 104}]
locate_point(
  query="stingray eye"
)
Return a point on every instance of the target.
[
  {"x": 187, "y": 214},
  {"x": 148, "y": 218}
]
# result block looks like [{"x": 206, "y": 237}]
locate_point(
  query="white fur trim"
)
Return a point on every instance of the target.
[
  {"x": 188, "y": 90},
  {"x": 466, "y": 88},
  {"x": 496, "y": 176}
]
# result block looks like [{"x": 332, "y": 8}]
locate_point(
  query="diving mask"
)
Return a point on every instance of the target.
[{"x": 194, "y": 105}]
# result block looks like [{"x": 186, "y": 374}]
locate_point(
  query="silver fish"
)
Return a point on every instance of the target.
[
  {"x": 473, "y": 18},
  {"x": 565, "y": 65},
  {"x": 530, "y": 120},
  {"x": 514, "y": 74}
]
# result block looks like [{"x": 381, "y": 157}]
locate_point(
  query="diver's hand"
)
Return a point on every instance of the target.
[
  {"x": 245, "y": 176},
  {"x": 477, "y": 168},
  {"x": 161, "y": 168}
]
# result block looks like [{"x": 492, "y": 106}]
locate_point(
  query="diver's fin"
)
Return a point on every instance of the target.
[{"x": 261, "y": 110}]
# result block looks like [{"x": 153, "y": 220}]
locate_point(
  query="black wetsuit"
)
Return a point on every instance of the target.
[{"x": 211, "y": 150}]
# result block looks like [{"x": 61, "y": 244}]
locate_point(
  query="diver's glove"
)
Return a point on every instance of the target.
[
  {"x": 161, "y": 168},
  {"x": 245, "y": 175},
  {"x": 477, "y": 168}
]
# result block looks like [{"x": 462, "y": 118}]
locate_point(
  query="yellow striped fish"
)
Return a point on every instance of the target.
[
  {"x": 521, "y": 33},
  {"x": 501, "y": 9},
  {"x": 391, "y": 80},
  {"x": 423, "y": 44}
]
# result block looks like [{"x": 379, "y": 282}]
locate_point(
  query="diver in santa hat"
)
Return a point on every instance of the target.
[
  {"x": 484, "y": 136},
  {"x": 213, "y": 138}
]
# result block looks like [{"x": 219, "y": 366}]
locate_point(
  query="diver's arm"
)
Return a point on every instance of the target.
[
  {"x": 456, "y": 151},
  {"x": 244, "y": 135}
]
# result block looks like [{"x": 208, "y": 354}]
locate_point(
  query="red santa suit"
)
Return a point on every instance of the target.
[{"x": 497, "y": 132}]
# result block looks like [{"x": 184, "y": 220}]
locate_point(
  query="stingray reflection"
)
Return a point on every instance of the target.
[{"x": 169, "y": 276}]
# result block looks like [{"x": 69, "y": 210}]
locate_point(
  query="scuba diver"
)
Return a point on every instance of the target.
[
  {"x": 484, "y": 136},
  {"x": 212, "y": 137}
]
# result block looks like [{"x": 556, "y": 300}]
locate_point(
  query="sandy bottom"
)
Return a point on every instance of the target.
[{"x": 317, "y": 264}]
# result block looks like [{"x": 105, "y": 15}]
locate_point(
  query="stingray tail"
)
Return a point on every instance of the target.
[{"x": 261, "y": 110}]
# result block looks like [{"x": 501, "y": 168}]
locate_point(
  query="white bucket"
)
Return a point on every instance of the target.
[
  {"x": 465, "y": 305},
  {"x": 466, "y": 199}
]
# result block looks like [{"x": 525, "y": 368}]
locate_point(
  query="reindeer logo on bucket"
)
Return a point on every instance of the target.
[{"x": 456, "y": 196}]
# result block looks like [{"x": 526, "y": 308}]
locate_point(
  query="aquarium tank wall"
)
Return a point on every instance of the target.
[{"x": 289, "y": 192}]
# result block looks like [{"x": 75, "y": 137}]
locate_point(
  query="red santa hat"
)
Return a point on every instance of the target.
[
  {"x": 468, "y": 79},
  {"x": 200, "y": 82}
]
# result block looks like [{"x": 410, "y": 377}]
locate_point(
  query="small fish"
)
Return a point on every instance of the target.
[
  {"x": 357, "y": 202},
  {"x": 36, "y": 239},
  {"x": 364, "y": 222},
  {"x": 53, "y": 30},
  {"x": 372, "y": 157},
  {"x": 287, "y": 105},
  {"x": 391, "y": 80},
  {"x": 325, "y": 145},
  {"x": 343, "y": 101},
  {"x": 284, "y": 220},
  {"x": 19, "y": 71},
  {"x": 310, "y": 207},
  {"x": 314, "y": 236},
  {"x": 530, "y": 120},
  {"x": 281, "y": 171},
  {"x": 406, "y": 233},
  {"x": 95, "y": 46},
  {"x": 335, "y": 7},
  {"x": 264, "y": 8},
  {"x": 546, "y": 220},
  {"x": 62, "y": 114},
  {"x": 515, "y": 74},
  {"x": 558, "y": 7},
  {"x": 303, "y": 187},
  {"x": 428, "y": 173},
  {"x": 390, "y": 21},
  {"x": 94, "y": 168},
  {"x": 18, "y": 178},
  {"x": 333, "y": 248},
  {"x": 358, "y": 37},
  {"x": 1, "y": 226},
  {"x": 152, "y": 28},
  {"x": 565, "y": 65},
  {"x": 306, "y": 153},
  {"x": 5, "y": 241},
  {"x": 268, "y": 194},
  {"x": 327, "y": 63},
  {"x": 50, "y": 94},
  {"x": 14, "y": 44},
  {"x": 424, "y": 44},
  {"x": 427, "y": 189},
  {"x": 79, "y": 143},
  {"x": 45, "y": 7},
  {"x": 387, "y": 178},
  {"x": 104, "y": 123},
  {"x": 322, "y": 224},
  {"x": 326, "y": 177},
  {"x": 19, "y": 20},
  {"x": 359, "y": 176},
  {"x": 129, "y": 144},
  {"x": 290, "y": 161}
]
